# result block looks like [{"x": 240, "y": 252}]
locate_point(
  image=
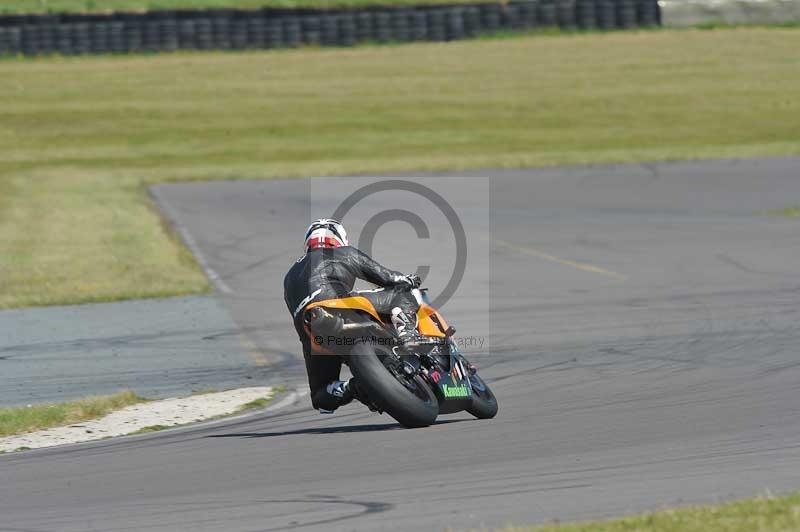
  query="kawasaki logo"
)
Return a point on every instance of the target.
[{"x": 456, "y": 391}]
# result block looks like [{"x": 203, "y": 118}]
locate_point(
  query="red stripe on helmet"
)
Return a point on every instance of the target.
[{"x": 319, "y": 242}]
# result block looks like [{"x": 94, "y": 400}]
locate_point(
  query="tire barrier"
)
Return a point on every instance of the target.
[{"x": 231, "y": 29}]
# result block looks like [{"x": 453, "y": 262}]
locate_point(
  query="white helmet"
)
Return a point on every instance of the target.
[{"x": 326, "y": 233}]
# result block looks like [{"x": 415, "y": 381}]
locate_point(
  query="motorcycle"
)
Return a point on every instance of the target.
[{"x": 412, "y": 381}]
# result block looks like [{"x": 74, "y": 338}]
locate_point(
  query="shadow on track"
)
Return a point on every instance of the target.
[{"x": 326, "y": 430}]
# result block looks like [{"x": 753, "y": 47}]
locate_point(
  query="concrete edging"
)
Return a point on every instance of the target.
[
  {"x": 187, "y": 413},
  {"x": 687, "y": 13}
]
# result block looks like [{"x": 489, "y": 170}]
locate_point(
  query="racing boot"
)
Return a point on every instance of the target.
[
  {"x": 341, "y": 392},
  {"x": 405, "y": 328},
  {"x": 344, "y": 392}
]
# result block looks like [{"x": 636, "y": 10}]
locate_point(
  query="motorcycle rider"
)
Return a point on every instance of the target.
[{"x": 328, "y": 269}]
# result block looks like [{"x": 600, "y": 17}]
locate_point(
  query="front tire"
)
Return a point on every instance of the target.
[
  {"x": 409, "y": 400},
  {"x": 484, "y": 403}
]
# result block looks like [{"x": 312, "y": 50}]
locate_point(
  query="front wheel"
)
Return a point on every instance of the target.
[
  {"x": 409, "y": 400},
  {"x": 484, "y": 403}
]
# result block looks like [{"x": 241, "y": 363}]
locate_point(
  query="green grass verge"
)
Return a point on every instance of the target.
[
  {"x": 256, "y": 403},
  {"x": 150, "y": 428},
  {"x": 790, "y": 212},
  {"x": 767, "y": 514},
  {"x": 84, "y": 136},
  {"x": 19, "y": 420},
  {"x": 263, "y": 401},
  {"x": 204, "y": 392},
  {"x": 94, "y": 6}
]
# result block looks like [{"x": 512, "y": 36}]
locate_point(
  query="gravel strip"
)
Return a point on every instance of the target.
[{"x": 166, "y": 413}]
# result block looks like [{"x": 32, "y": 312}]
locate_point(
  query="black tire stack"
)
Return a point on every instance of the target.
[
  {"x": 222, "y": 29},
  {"x": 627, "y": 15}
]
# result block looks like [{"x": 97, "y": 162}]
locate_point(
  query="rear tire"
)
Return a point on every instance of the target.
[
  {"x": 412, "y": 409},
  {"x": 484, "y": 403}
]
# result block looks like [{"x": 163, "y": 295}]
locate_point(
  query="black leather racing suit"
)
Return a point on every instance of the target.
[{"x": 328, "y": 273}]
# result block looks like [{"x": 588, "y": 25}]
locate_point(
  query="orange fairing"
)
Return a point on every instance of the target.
[
  {"x": 352, "y": 303},
  {"x": 430, "y": 322}
]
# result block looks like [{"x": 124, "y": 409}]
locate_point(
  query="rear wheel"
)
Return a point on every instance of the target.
[
  {"x": 408, "y": 399},
  {"x": 484, "y": 403}
]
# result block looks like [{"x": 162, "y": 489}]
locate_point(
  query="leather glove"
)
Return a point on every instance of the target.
[{"x": 413, "y": 280}]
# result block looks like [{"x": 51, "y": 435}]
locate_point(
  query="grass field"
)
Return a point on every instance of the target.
[
  {"x": 790, "y": 212},
  {"x": 765, "y": 514},
  {"x": 19, "y": 420},
  {"x": 45, "y": 6},
  {"x": 80, "y": 137}
]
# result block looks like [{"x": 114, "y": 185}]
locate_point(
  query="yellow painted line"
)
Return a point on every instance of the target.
[
  {"x": 552, "y": 258},
  {"x": 252, "y": 350}
]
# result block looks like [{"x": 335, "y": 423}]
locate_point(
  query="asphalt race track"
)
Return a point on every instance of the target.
[
  {"x": 157, "y": 347},
  {"x": 645, "y": 350}
]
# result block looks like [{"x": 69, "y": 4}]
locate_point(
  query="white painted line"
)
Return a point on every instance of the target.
[{"x": 190, "y": 242}]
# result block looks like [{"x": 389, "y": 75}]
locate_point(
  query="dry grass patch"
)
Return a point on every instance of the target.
[
  {"x": 789, "y": 212},
  {"x": 82, "y": 136},
  {"x": 767, "y": 514},
  {"x": 20, "y": 420}
]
